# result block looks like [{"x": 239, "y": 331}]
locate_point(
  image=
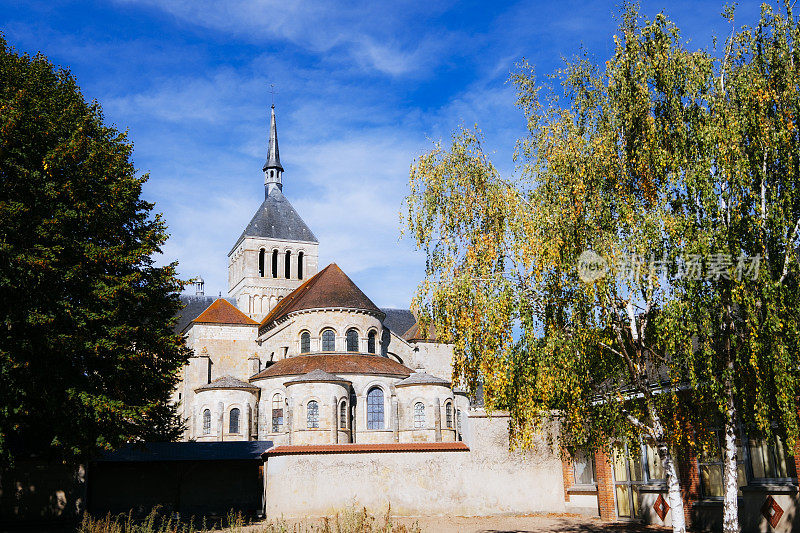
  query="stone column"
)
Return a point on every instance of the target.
[
  {"x": 437, "y": 419},
  {"x": 288, "y": 420},
  {"x": 220, "y": 421},
  {"x": 395, "y": 411},
  {"x": 247, "y": 422},
  {"x": 334, "y": 422}
]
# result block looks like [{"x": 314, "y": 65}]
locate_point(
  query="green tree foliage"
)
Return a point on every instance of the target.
[
  {"x": 87, "y": 351},
  {"x": 736, "y": 328},
  {"x": 658, "y": 155}
]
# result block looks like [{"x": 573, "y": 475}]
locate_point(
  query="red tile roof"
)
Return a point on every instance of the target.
[
  {"x": 223, "y": 312},
  {"x": 415, "y": 333},
  {"x": 368, "y": 448},
  {"x": 330, "y": 287},
  {"x": 336, "y": 363}
]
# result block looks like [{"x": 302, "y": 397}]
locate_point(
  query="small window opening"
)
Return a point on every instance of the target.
[
  {"x": 233, "y": 425},
  {"x": 328, "y": 341},
  {"x": 312, "y": 416},
  {"x": 206, "y": 422},
  {"x": 274, "y": 263},
  {"x": 261, "y": 255},
  {"x": 371, "y": 342},
  {"x": 352, "y": 340},
  {"x": 419, "y": 415},
  {"x": 305, "y": 342},
  {"x": 287, "y": 267},
  {"x": 300, "y": 265}
]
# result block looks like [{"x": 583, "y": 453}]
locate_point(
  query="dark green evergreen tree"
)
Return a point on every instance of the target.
[{"x": 88, "y": 355}]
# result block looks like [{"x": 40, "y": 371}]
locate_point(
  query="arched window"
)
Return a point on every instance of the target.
[
  {"x": 375, "y": 408},
  {"x": 274, "y": 263},
  {"x": 233, "y": 423},
  {"x": 458, "y": 423},
  {"x": 206, "y": 422},
  {"x": 352, "y": 340},
  {"x": 419, "y": 415},
  {"x": 300, "y": 265},
  {"x": 261, "y": 255},
  {"x": 371, "y": 341},
  {"x": 343, "y": 415},
  {"x": 277, "y": 413},
  {"x": 305, "y": 342},
  {"x": 287, "y": 266},
  {"x": 448, "y": 415},
  {"x": 328, "y": 341},
  {"x": 312, "y": 415}
]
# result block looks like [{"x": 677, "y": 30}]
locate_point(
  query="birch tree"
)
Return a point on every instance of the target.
[
  {"x": 551, "y": 282},
  {"x": 738, "y": 209}
]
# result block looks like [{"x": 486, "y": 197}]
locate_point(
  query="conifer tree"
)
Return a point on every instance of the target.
[{"x": 88, "y": 356}]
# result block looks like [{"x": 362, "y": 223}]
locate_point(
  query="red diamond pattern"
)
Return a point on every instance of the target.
[
  {"x": 771, "y": 511},
  {"x": 661, "y": 507}
]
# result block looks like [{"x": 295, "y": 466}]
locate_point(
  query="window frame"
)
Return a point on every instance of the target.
[
  {"x": 448, "y": 414},
  {"x": 343, "y": 418},
  {"x": 351, "y": 337},
  {"x": 237, "y": 418},
  {"x": 587, "y": 457},
  {"x": 419, "y": 415},
  {"x": 305, "y": 342},
  {"x": 206, "y": 421},
  {"x": 312, "y": 414},
  {"x": 374, "y": 408},
  {"x": 323, "y": 345},
  {"x": 277, "y": 421},
  {"x": 372, "y": 345}
]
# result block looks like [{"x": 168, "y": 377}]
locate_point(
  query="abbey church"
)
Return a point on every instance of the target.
[{"x": 300, "y": 355}]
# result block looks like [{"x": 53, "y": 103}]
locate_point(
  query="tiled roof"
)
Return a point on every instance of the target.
[
  {"x": 398, "y": 320},
  {"x": 317, "y": 376},
  {"x": 277, "y": 219},
  {"x": 330, "y": 287},
  {"x": 368, "y": 448},
  {"x": 223, "y": 312},
  {"x": 192, "y": 307},
  {"x": 334, "y": 364},
  {"x": 421, "y": 378},
  {"x": 226, "y": 382}
]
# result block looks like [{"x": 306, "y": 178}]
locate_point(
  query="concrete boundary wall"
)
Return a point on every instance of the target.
[{"x": 416, "y": 479}]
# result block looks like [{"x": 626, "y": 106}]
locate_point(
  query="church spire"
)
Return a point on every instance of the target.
[{"x": 273, "y": 170}]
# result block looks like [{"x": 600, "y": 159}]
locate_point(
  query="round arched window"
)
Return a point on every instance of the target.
[
  {"x": 328, "y": 341},
  {"x": 207, "y": 422},
  {"x": 419, "y": 415},
  {"x": 233, "y": 424},
  {"x": 305, "y": 342},
  {"x": 375, "y": 408},
  {"x": 312, "y": 415},
  {"x": 352, "y": 340},
  {"x": 371, "y": 341}
]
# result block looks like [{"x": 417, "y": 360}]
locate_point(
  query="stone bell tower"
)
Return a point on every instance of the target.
[{"x": 277, "y": 251}]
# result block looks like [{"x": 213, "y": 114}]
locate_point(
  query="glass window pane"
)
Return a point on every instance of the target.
[
  {"x": 305, "y": 342},
  {"x": 636, "y": 463},
  {"x": 352, "y": 340},
  {"x": 328, "y": 341},
  {"x": 711, "y": 476},
  {"x": 655, "y": 468},
  {"x": 584, "y": 468},
  {"x": 759, "y": 458},
  {"x": 781, "y": 462},
  {"x": 375, "y": 409},
  {"x": 312, "y": 415},
  {"x": 371, "y": 342},
  {"x": 620, "y": 466},
  {"x": 623, "y": 501},
  {"x": 636, "y": 510}
]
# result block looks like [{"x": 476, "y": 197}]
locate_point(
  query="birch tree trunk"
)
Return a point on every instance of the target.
[
  {"x": 730, "y": 512},
  {"x": 673, "y": 489}
]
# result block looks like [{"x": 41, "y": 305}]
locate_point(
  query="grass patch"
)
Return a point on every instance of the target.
[{"x": 350, "y": 520}]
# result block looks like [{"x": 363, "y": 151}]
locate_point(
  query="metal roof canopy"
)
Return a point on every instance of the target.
[{"x": 187, "y": 451}]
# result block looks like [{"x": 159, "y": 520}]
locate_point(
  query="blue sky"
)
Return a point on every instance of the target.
[{"x": 363, "y": 87}]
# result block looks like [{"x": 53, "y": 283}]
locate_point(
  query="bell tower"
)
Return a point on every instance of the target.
[{"x": 277, "y": 251}]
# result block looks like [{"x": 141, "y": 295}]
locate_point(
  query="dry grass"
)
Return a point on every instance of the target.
[{"x": 351, "y": 520}]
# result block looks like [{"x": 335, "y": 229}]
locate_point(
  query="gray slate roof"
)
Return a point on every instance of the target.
[
  {"x": 316, "y": 375},
  {"x": 398, "y": 320},
  {"x": 422, "y": 378},
  {"x": 277, "y": 219},
  {"x": 193, "y": 306},
  {"x": 227, "y": 382},
  {"x": 187, "y": 451}
]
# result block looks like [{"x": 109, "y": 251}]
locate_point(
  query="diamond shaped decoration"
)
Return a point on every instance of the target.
[
  {"x": 771, "y": 511},
  {"x": 661, "y": 507}
]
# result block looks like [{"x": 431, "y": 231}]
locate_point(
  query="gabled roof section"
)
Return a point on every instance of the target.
[
  {"x": 330, "y": 287},
  {"x": 223, "y": 312},
  {"x": 226, "y": 382},
  {"x": 193, "y": 305},
  {"x": 277, "y": 219},
  {"x": 417, "y": 333},
  {"x": 421, "y": 378}
]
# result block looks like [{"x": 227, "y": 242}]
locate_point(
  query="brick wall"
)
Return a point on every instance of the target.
[
  {"x": 689, "y": 475},
  {"x": 566, "y": 468},
  {"x": 605, "y": 486}
]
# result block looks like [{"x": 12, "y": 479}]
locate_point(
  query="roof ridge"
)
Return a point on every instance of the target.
[
  {"x": 292, "y": 295},
  {"x": 221, "y": 311}
]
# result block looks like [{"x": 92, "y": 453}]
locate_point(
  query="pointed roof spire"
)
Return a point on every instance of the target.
[{"x": 273, "y": 157}]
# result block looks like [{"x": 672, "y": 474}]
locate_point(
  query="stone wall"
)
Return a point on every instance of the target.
[{"x": 447, "y": 479}]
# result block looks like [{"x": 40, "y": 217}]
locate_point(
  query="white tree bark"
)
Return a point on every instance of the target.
[
  {"x": 673, "y": 489},
  {"x": 730, "y": 512}
]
